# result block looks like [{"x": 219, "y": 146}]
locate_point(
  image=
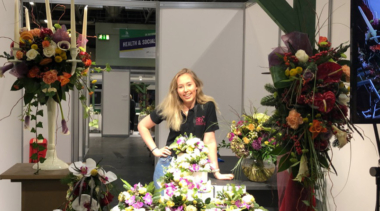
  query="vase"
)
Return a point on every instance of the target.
[
  {"x": 257, "y": 170},
  {"x": 52, "y": 162}
]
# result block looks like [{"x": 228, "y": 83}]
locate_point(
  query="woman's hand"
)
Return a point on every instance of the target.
[
  {"x": 163, "y": 152},
  {"x": 220, "y": 176}
]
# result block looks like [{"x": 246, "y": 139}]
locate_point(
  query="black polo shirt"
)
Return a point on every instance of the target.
[{"x": 200, "y": 119}]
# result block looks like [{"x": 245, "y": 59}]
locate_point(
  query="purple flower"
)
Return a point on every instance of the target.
[
  {"x": 194, "y": 168},
  {"x": 180, "y": 208},
  {"x": 308, "y": 75},
  {"x": 256, "y": 144},
  {"x": 5, "y": 68},
  {"x": 131, "y": 200},
  {"x": 180, "y": 141},
  {"x": 26, "y": 122},
  {"x": 138, "y": 205},
  {"x": 65, "y": 129},
  {"x": 231, "y": 136},
  {"x": 148, "y": 199},
  {"x": 169, "y": 191},
  {"x": 238, "y": 203}
]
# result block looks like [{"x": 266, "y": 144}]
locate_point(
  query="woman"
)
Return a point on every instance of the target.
[{"x": 186, "y": 110}]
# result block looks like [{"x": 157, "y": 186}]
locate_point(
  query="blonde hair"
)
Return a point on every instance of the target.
[{"x": 170, "y": 108}]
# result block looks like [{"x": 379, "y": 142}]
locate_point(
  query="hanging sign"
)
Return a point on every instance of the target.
[{"x": 137, "y": 43}]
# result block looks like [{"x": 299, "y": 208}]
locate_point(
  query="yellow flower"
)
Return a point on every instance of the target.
[
  {"x": 293, "y": 72},
  {"x": 246, "y": 140},
  {"x": 129, "y": 209},
  {"x": 349, "y": 88},
  {"x": 237, "y": 131},
  {"x": 64, "y": 56},
  {"x": 183, "y": 197},
  {"x": 259, "y": 128},
  {"x": 266, "y": 142},
  {"x": 305, "y": 119},
  {"x": 233, "y": 122},
  {"x": 287, "y": 72},
  {"x": 94, "y": 81},
  {"x": 170, "y": 203},
  {"x": 58, "y": 51},
  {"x": 251, "y": 127},
  {"x": 195, "y": 202},
  {"x": 299, "y": 70},
  {"x": 94, "y": 172},
  {"x": 34, "y": 46},
  {"x": 58, "y": 59}
]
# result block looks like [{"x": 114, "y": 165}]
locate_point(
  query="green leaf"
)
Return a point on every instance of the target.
[
  {"x": 42, "y": 160},
  {"x": 270, "y": 88},
  {"x": 35, "y": 103},
  {"x": 306, "y": 202},
  {"x": 323, "y": 161},
  {"x": 93, "y": 63},
  {"x": 34, "y": 156},
  {"x": 41, "y": 148},
  {"x": 39, "y": 124},
  {"x": 40, "y": 112},
  {"x": 344, "y": 62},
  {"x": 34, "y": 145},
  {"x": 279, "y": 150},
  {"x": 33, "y": 130},
  {"x": 208, "y": 200},
  {"x": 284, "y": 163},
  {"x": 28, "y": 97},
  {"x": 108, "y": 67},
  {"x": 82, "y": 97},
  {"x": 40, "y": 137},
  {"x": 279, "y": 78},
  {"x": 33, "y": 117},
  {"x": 17, "y": 84}
]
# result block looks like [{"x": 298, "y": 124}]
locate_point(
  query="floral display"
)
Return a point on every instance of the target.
[
  {"x": 192, "y": 155},
  {"x": 136, "y": 197},
  {"x": 89, "y": 186},
  {"x": 235, "y": 198},
  {"x": 249, "y": 139},
  {"x": 311, "y": 99},
  {"x": 43, "y": 67}
]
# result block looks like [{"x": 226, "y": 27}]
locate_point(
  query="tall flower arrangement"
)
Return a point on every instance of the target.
[{"x": 311, "y": 99}]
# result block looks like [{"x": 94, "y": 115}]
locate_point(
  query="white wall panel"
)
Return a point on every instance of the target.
[
  {"x": 210, "y": 42},
  {"x": 11, "y": 127},
  {"x": 115, "y": 106}
]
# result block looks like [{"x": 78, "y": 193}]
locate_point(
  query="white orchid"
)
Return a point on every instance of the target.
[
  {"x": 106, "y": 177},
  {"x": 80, "y": 168},
  {"x": 340, "y": 135},
  {"x": 84, "y": 204}
]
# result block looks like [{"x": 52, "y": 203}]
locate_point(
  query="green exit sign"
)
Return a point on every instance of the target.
[{"x": 103, "y": 37}]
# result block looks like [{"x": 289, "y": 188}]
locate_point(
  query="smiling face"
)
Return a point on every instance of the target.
[{"x": 187, "y": 90}]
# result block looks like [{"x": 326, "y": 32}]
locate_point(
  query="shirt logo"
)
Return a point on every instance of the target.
[{"x": 200, "y": 120}]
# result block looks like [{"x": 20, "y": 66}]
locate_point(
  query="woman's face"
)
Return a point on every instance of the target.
[{"x": 186, "y": 89}]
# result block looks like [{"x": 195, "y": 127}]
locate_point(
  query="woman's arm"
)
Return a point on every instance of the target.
[
  {"x": 143, "y": 127},
  {"x": 210, "y": 141}
]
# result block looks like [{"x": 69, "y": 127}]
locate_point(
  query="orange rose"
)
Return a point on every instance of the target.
[
  {"x": 45, "y": 43},
  {"x": 88, "y": 63},
  {"x": 347, "y": 71},
  {"x": 33, "y": 72},
  {"x": 50, "y": 76},
  {"x": 45, "y": 61},
  {"x": 35, "y": 32},
  {"x": 90, "y": 93},
  {"x": 317, "y": 128},
  {"x": 26, "y": 35},
  {"x": 322, "y": 39},
  {"x": 19, "y": 55},
  {"x": 294, "y": 119},
  {"x": 63, "y": 80}
]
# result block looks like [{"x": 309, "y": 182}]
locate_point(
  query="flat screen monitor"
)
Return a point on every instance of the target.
[{"x": 365, "y": 58}]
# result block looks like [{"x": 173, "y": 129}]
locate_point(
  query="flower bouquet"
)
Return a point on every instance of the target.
[
  {"x": 311, "y": 100},
  {"x": 136, "y": 197},
  {"x": 253, "y": 144},
  {"x": 89, "y": 186},
  {"x": 192, "y": 157},
  {"x": 235, "y": 198}
]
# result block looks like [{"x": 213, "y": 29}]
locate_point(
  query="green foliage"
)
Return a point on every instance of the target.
[
  {"x": 40, "y": 112},
  {"x": 270, "y": 88},
  {"x": 269, "y": 100}
]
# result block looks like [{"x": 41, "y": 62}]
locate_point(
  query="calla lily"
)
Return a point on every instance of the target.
[
  {"x": 303, "y": 170},
  {"x": 106, "y": 177},
  {"x": 5, "y": 68},
  {"x": 340, "y": 135},
  {"x": 84, "y": 169},
  {"x": 65, "y": 129},
  {"x": 63, "y": 45},
  {"x": 84, "y": 204},
  {"x": 26, "y": 122}
]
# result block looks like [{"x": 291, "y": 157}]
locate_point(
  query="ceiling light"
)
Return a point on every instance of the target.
[
  {"x": 31, "y": 3},
  {"x": 140, "y": 78},
  {"x": 45, "y": 21}
]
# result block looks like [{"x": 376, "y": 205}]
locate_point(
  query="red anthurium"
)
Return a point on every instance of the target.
[
  {"x": 325, "y": 102},
  {"x": 329, "y": 72}
]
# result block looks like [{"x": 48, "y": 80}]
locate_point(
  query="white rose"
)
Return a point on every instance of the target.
[
  {"x": 302, "y": 56},
  {"x": 197, "y": 152},
  {"x": 49, "y": 51},
  {"x": 248, "y": 199},
  {"x": 31, "y": 54},
  {"x": 190, "y": 208},
  {"x": 142, "y": 191},
  {"x": 126, "y": 195},
  {"x": 343, "y": 99},
  {"x": 205, "y": 150},
  {"x": 185, "y": 165}
]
